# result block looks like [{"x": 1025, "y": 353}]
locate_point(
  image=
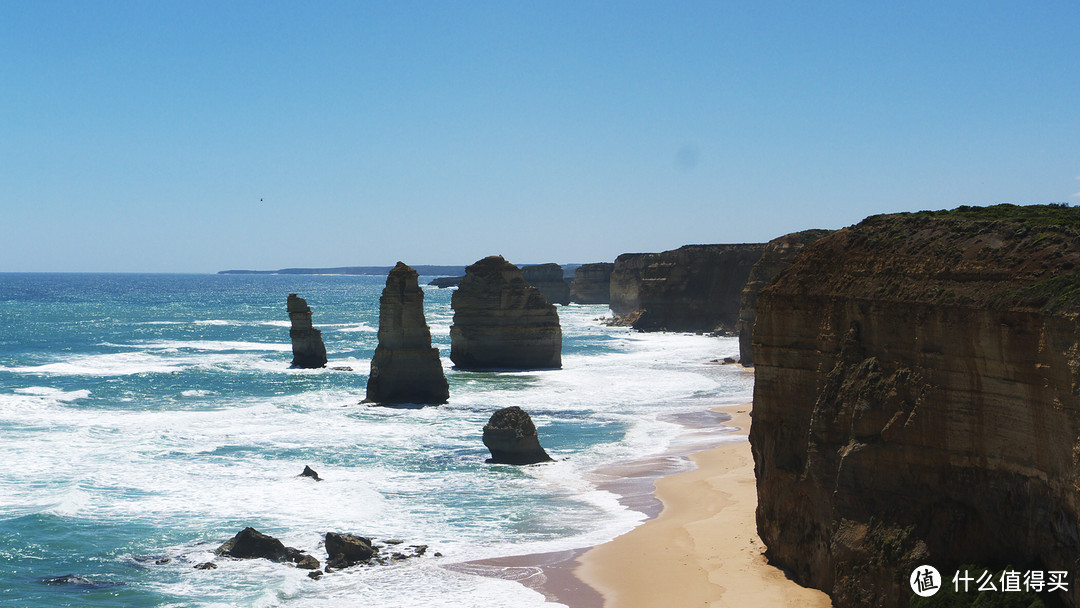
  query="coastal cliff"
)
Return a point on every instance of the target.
[
  {"x": 592, "y": 283},
  {"x": 778, "y": 255},
  {"x": 500, "y": 321},
  {"x": 548, "y": 278},
  {"x": 405, "y": 367},
  {"x": 916, "y": 401},
  {"x": 695, "y": 288}
]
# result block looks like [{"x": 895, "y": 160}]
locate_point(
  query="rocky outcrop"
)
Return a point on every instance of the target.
[
  {"x": 344, "y": 550},
  {"x": 592, "y": 283},
  {"x": 249, "y": 543},
  {"x": 916, "y": 401},
  {"x": 695, "y": 288},
  {"x": 310, "y": 472},
  {"x": 444, "y": 282},
  {"x": 778, "y": 255},
  {"x": 307, "y": 344},
  {"x": 500, "y": 321},
  {"x": 511, "y": 437},
  {"x": 405, "y": 367},
  {"x": 548, "y": 278}
]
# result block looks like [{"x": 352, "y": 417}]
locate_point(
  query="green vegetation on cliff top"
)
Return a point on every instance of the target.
[{"x": 1054, "y": 214}]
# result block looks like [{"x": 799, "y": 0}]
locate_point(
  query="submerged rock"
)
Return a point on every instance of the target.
[
  {"x": 500, "y": 321},
  {"x": 511, "y": 437},
  {"x": 74, "y": 580},
  {"x": 405, "y": 367},
  {"x": 548, "y": 278},
  {"x": 307, "y": 344}
]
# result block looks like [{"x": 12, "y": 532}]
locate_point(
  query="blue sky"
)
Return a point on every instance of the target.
[{"x": 195, "y": 137}]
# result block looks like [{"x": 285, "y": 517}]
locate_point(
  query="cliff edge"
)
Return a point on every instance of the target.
[
  {"x": 917, "y": 401},
  {"x": 695, "y": 288}
]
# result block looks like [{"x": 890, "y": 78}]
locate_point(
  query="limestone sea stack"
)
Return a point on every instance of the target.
[
  {"x": 511, "y": 437},
  {"x": 502, "y": 322},
  {"x": 916, "y": 402},
  {"x": 549, "y": 279},
  {"x": 405, "y": 367},
  {"x": 695, "y": 288},
  {"x": 592, "y": 283},
  {"x": 307, "y": 344},
  {"x": 778, "y": 255}
]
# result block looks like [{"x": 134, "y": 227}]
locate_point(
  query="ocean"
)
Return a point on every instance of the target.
[{"x": 146, "y": 419}]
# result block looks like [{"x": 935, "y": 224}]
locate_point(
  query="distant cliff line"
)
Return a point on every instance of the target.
[{"x": 428, "y": 270}]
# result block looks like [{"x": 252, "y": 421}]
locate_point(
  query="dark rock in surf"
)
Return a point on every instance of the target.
[
  {"x": 249, "y": 543},
  {"x": 511, "y": 437},
  {"x": 444, "y": 282},
  {"x": 307, "y": 344},
  {"x": 206, "y": 566},
  {"x": 310, "y": 472},
  {"x": 346, "y": 550},
  {"x": 405, "y": 367}
]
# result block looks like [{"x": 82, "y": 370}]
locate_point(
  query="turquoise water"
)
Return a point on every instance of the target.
[{"x": 148, "y": 418}]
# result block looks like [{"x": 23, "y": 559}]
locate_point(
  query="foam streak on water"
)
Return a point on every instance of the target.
[{"x": 150, "y": 417}]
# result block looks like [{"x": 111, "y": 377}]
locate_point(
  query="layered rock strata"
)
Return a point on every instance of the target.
[
  {"x": 696, "y": 288},
  {"x": 405, "y": 367},
  {"x": 502, "y": 322},
  {"x": 592, "y": 283},
  {"x": 916, "y": 401},
  {"x": 511, "y": 437},
  {"x": 778, "y": 255},
  {"x": 548, "y": 278},
  {"x": 307, "y": 343}
]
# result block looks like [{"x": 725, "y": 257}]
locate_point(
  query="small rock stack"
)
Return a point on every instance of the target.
[{"x": 307, "y": 344}]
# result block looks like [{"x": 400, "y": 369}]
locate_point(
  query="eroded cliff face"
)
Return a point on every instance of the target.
[
  {"x": 500, "y": 321},
  {"x": 693, "y": 288},
  {"x": 778, "y": 255},
  {"x": 592, "y": 283},
  {"x": 916, "y": 401},
  {"x": 548, "y": 278}
]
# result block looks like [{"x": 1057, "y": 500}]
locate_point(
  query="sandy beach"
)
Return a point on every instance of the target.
[{"x": 703, "y": 548}]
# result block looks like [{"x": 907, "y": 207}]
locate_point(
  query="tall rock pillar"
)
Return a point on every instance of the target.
[
  {"x": 405, "y": 368},
  {"x": 307, "y": 344}
]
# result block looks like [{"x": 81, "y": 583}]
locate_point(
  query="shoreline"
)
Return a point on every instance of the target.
[{"x": 698, "y": 547}]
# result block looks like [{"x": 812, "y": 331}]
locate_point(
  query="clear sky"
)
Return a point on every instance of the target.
[{"x": 199, "y": 136}]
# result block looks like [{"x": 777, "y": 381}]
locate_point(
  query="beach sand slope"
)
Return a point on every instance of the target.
[{"x": 703, "y": 549}]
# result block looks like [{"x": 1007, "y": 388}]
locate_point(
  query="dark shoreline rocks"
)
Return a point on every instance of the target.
[
  {"x": 511, "y": 437},
  {"x": 307, "y": 344},
  {"x": 405, "y": 367},
  {"x": 249, "y": 543},
  {"x": 502, "y": 322}
]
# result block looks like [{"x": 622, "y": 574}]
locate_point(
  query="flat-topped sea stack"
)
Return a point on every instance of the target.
[
  {"x": 502, "y": 322},
  {"x": 778, "y": 255},
  {"x": 405, "y": 367},
  {"x": 592, "y": 283},
  {"x": 917, "y": 401},
  {"x": 307, "y": 344},
  {"x": 548, "y": 278},
  {"x": 696, "y": 288}
]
